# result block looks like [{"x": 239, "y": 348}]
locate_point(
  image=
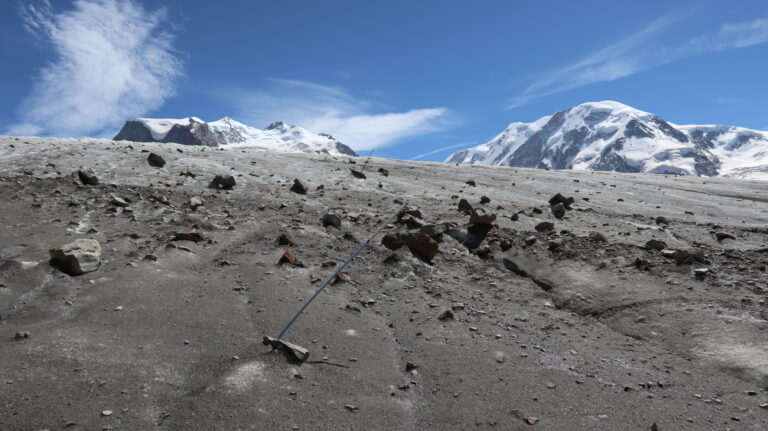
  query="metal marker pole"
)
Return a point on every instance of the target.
[{"x": 336, "y": 272}]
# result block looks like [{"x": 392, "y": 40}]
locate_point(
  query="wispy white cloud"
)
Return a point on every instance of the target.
[
  {"x": 353, "y": 120},
  {"x": 446, "y": 148},
  {"x": 639, "y": 52},
  {"x": 112, "y": 62}
]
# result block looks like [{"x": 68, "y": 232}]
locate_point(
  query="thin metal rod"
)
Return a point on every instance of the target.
[
  {"x": 333, "y": 275},
  {"x": 368, "y": 159}
]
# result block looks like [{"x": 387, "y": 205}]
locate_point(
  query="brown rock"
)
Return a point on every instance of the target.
[
  {"x": 286, "y": 238},
  {"x": 287, "y": 257}
]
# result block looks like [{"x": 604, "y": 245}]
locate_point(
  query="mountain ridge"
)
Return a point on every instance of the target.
[
  {"x": 612, "y": 136},
  {"x": 229, "y": 133}
]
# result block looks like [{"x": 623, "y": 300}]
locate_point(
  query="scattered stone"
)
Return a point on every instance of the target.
[
  {"x": 106, "y": 413},
  {"x": 21, "y": 335},
  {"x": 484, "y": 200},
  {"x": 531, "y": 420},
  {"x": 560, "y": 199},
  {"x": 597, "y": 237},
  {"x": 298, "y": 187},
  {"x": 545, "y": 226},
  {"x": 288, "y": 257},
  {"x": 446, "y": 314},
  {"x": 357, "y": 174},
  {"x": 655, "y": 244},
  {"x": 722, "y": 236},
  {"x": 514, "y": 217},
  {"x": 465, "y": 206},
  {"x": 343, "y": 277},
  {"x": 701, "y": 272},
  {"x": 687, "y": 257},
  {"x": 419, "y": 243},
  {"x": 410, "y": 366},
  {"x": 188, "y": 236},
  {"x": 286, "y": 238},
  {"x": 411, "y": 222},
  {"x": 77, "y": 257},
  {"x": 558, "y": 210},
  {"x": 195, "y": 203},
  {"x": 155, "y": 160},
  {"x": 412, "y": 211},
  {"x": 481, "y": 218},
  {"x": 471, "y": 183},
  {"x": 661, "y": 220},
  {"x": 119, "y": 202},
  {"x": 484, "y": 252},
  {"x": 384, "y": 172},
  {"x": 531, "y": 240},
  {"x": 537, "y": 210},
  {"x": 151, "y": 257},
  {"x": 331, "y": 220},
  {"x": 351, "y": 408},
  {"x": 88, "y": 177},
  {"x": 295, "y": 353},
  {"x": 554, "y": 245},
  {"x": 223, "y": 182}
]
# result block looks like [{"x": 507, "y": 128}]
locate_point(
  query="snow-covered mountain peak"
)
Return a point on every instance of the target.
[
  {"x": 230, "y": 133},
  {"x": 612, "y": 136}
]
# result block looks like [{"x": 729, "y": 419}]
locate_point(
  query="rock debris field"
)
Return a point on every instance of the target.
[{"x": 137, "y": 282}]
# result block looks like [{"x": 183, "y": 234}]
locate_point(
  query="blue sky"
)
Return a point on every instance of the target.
[{"x": 415, "y": 79}]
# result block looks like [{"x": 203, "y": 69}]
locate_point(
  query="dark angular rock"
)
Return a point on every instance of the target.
[
  {"x": 515, "y": 217},
  {"x": 223, "y": 182},
  {"x": 298, "y": 187},
  {"x": 655, "y": 244},
  {"x": 412, "y": 211},
  {"x": 188, "y": 236},
  {"x": 481, "y": 218},
  {"x": 722, "y": 236},
  {"x": 597, "y": 237},
  {"x": 446, "y": 314},
  {"x": 88, "y": 177},
  {"x": 471, "y": 183},
  {"x": 560, "y": 199},
  {"x": 558, "y": 210},
  {"x": 357, "y": 174},
  {"x": 545, "y": 226},
  {"x": 420, "y": 244},
  {"x": 484, "y": 200},
  {"x": 331, "y": 220},
  {"x": 384, "y": 172},
  {"x": 465, "y": 206},
  {"x": 155, "y": 160},
  {"x": 661, "y": 220}
]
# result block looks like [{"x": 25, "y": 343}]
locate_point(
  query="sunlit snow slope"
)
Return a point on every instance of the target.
[{"x": 610, "y": 136}]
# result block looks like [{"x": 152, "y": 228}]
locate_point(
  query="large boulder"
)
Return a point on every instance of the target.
[{"x": 77, "y": 257}]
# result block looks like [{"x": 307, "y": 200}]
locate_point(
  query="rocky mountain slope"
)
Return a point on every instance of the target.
[
  {"x": 626, "y": 302},
  {"x": 228, "y": 133},
  {"x": 610, "y": 136}
]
